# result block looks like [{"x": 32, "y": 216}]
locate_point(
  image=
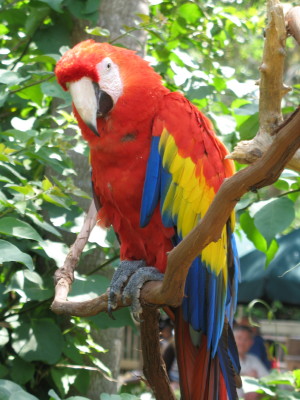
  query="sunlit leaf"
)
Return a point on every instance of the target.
[
  {"x": 10, "y": 252},
  {"x": 98, "y": 31},
  {"x": 15, "y": 227},
  {"x": 10, "y": 390},
  {"x": 41, "y": 340}
]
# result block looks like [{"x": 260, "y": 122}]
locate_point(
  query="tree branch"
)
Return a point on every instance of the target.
[
  {"x": 271, "y": 86},
  {"x": 170, "y": 291},
  {"x": 153, "y": 366},
  {"x": 64, "y": 276}
]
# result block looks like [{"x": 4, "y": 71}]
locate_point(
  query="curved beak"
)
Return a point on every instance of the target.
[{"x": 90, "y": 101}]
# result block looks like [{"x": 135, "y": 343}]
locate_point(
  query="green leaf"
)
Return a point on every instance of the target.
[
  {"x": 200, "y": 92},
  {"x": 190, "y": 12},
  {"x": 296, "y": 374},
  {"x": 3, "y": 372},
  {"x": 3, "y": 295},
  {"x": 3, "y": 97},
  {"x": 29, "y": 284},
  {"x": 98, "y": 31},
  {"x": 84, "y": 288},
  {"x": 53, "y": 89},
  {"x": 26, "y": 190},
  {"x": 43, "y": 225},
  {"x": 15, "y": 227},
  {"x": 11, "y": 391},
  {"x": 253, "y": 234},
  {"x": 21, "y": 371},
  {"x": 91, "y": 6},
  {"x": 58, "y": 201},
  {"x": 41, "y": 340},
  {"x": 10, "y": 252},
  {"x": 82, "y": 381},
  {"x": 53, "y": 395},
  {"x": 272, "y": 250},
  {"x": 33, "y": 93},
  {"x": 274, "y": 217},
  {"x": 10, "y": 78},
  {"x": 122, "y": 318},
  {"x": 63, "y": 378},
  {"x": 101, "y": 366},
  {"x": 56, "y": 250},
  {"x": 249, "y": 128},
  {"x": 55, "y": 4},
  {"x": 46, "y": 184}
]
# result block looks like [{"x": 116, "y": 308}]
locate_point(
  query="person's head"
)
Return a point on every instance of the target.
[
  {"x": 166, "y": 328},
  {"x": 243, "y": 338}
]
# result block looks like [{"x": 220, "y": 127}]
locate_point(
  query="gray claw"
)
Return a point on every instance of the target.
[
  {"x": 121, "y": 275},
  {"x": 136, "y": 282}
]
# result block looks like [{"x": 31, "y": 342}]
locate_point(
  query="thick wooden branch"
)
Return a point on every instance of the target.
[
  {"x": 153, "y": 366},
  {"x": 271, "y": 86},
  {"x": 170, "y": 291}
]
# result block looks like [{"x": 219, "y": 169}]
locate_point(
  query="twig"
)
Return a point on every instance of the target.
[
  {"x": 64, "y": 276},
  {"x": 32, "y": 84},
  {"x": 263, "y": 172}
]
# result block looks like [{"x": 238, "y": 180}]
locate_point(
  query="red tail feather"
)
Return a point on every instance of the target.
[{"x": 200, "y": 374}]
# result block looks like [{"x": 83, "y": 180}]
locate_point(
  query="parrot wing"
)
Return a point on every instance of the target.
[{"x": 186, "y": 167}]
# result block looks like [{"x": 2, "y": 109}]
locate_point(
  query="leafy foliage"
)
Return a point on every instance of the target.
[
  {"x": 38, "y": 206},
  {"x": 39, "y": 212},
  {"x": 279, "y": 385}
]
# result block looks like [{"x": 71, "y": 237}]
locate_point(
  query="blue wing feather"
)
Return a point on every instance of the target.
[{"x": 151, "y": 192}]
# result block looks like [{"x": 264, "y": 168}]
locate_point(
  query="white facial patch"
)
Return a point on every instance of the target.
[{"x": 110, "y": 79}]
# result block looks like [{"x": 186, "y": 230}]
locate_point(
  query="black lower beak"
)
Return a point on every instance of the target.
[{"x": 104, "y": 101}]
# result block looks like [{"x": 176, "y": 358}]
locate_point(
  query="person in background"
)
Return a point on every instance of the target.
[
  {"x": 167, "y": 345},
  {"x": 258, "y": 348},
  {"x": 251, "y": 365},
  {"x": 165, "y": 332}
]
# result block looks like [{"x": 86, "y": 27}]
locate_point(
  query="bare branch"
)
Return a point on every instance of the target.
[
  {"x": 170, "y": 291},
  {"x": 64, "y": 276},
  {"x": 154, "y": 368},
  {"x": 271, "y": 86}
]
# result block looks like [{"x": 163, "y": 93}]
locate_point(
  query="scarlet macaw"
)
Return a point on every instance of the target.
[{"x": 156, "y": 167}]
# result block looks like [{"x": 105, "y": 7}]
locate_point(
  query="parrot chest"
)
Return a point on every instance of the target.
[
  {"x": 118, "y": 177},
  {"x": 119, "y": 161}
]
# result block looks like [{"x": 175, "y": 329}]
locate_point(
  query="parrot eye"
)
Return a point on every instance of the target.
[{"x": 108, "y": 65}]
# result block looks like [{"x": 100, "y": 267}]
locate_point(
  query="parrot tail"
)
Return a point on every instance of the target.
[{"x": 202, "y": 376}]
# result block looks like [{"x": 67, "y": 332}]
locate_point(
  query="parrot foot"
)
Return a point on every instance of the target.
[
  {"x": 136, "y": 282},
  {"x": 122, "y": 274}
]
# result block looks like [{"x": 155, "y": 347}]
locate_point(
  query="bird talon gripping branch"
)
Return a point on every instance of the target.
[
  {"x": 137, "y": 280},
  {"x": 122, "y": 274}
]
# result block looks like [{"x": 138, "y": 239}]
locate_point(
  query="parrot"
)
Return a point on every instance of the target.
[{"x": 157, "y": 165}]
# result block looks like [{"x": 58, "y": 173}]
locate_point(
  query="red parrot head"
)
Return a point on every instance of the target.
[{"x": 103, "y": 78}]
